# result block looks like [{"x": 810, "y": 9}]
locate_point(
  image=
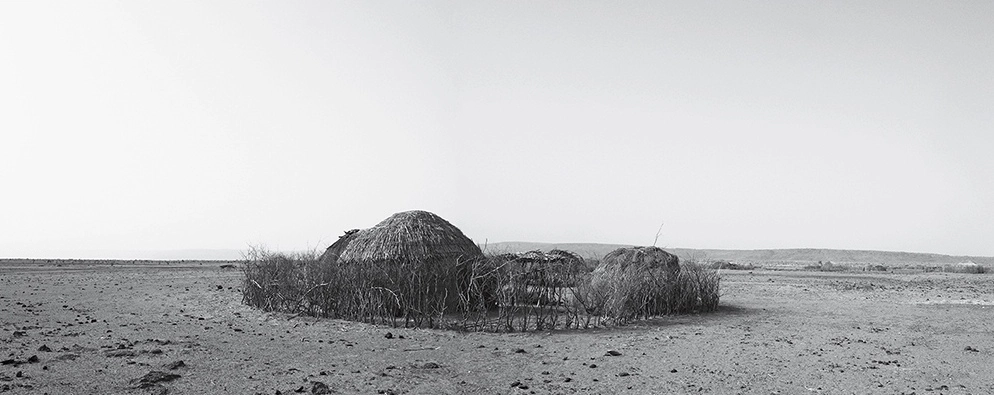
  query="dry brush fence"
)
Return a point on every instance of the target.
[{"x": 496, "y": 293}]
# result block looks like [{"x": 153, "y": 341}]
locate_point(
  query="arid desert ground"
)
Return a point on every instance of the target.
[{"x": 99, "y": 329}]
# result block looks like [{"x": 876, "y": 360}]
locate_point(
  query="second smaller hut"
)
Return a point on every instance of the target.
[{"x": 636, "y": 281}]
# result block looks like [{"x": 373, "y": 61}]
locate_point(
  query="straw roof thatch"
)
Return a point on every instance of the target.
[
  {"x": 410, "y": 236},
  {"x": 335, "y": 249},
  {"x": 625, "y": 262}
]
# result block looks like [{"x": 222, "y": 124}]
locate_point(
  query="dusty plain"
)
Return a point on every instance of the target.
[{"x": 99, "y": 329}]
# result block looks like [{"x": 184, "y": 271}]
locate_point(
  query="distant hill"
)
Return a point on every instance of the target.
[
  {"x": 156, "y": 255},
  {"x": 769, "y": 256}
]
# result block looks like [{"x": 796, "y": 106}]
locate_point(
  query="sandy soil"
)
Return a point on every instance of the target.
[{"x": 100, "y": 329}]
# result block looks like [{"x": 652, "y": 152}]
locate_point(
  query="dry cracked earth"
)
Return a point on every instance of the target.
[{"x": 169, "y": 329}]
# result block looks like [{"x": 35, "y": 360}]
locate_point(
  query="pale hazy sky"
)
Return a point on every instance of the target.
[{"x": 768, "y": 124}]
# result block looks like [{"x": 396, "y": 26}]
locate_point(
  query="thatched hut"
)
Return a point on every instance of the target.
[
  {"x": 636, "y": 281},
  {"x": 415, "y": 260}
]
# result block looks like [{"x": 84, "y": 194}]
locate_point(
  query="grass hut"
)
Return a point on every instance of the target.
[
  {"x": 413, "y": 264},
  {"x": 636, "y": 281}
]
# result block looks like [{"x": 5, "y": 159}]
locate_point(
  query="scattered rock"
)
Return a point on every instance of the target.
[
  {"x": 388, "y": 335},
  {"x": 624, "y": 374},
  {"x": 153, "y": 378},
  {"x": 971, "y": 349},
  {"x": 20, "y": 333},
  {"x": 520, "y": 351},
  {"x": 33, "y": 359},
  {"x": 593, "y": 365},
  {"x": 612, "y": 353},
  {"x": 430, "y": 365},
  {"x": 515, "y": 384},
  {"x": 318, "y": 387},
  {"x": 44, "y": 348},
  {"x": 672, "y": 370},
  {"x": 120, "y": 353},
  {"x": 174, "y": 365}
]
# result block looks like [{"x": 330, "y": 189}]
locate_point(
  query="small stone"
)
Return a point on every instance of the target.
[
  {"x": 152, "y": 378},
  {"x": 33, "y": 359},
  {"x": 515, "y": 384},
  {"x": 174, "y": 365},
  {"x": 44, "y": 348},
  {"x": 388, "y": 335},
  {"x": 431, "y": 365},
  {"x": 593, "y": 365},
  {"x": 520, "y": 351},
  {"x": 612, "y": 353},
  {"x": 623, "y": 374},
  {"x": 318, "y": 387},
  {"x": 673, "y": 371}
]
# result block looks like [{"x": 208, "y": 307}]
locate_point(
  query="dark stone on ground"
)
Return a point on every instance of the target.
[
  {"x": 174, "y": 365},
  {"x": 318, "y": 387},
  {"x": 152, "y": 378},
  {"x": 612, "y": 353},
  {"x": 44, "y": 348}
]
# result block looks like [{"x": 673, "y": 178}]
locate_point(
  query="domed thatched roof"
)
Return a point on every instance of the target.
[
  {"x": 410, "y": 236},
  {"x": 637, "y": 259}
]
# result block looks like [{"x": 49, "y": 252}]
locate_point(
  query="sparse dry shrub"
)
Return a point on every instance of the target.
[
  {"x": 827, "y": 266},
  {"x": 726, "y": 265},
  {"x": 969, "y": 267}
]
